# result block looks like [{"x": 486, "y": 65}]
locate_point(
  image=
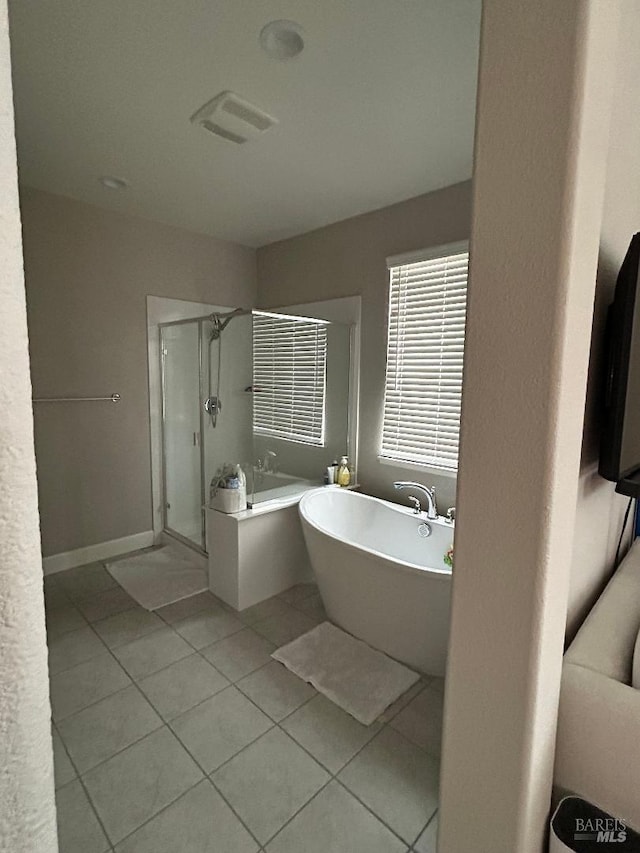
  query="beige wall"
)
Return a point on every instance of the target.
[
  {"x": 544, "y": 91},
  {"x": 27, "y": 806},
  {"x": 347, "y": 259},
  {"x": 88, "y": 272},
  {"x": 600, "y": 510}
]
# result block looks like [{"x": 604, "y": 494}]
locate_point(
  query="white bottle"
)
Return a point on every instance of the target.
[{"x": 242, "y": 488}]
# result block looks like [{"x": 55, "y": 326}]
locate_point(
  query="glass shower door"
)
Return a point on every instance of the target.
[{"x": 183, "y": 498}]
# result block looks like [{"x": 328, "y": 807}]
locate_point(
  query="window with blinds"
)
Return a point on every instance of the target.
[
  {"x": 423, "y": 388},
  {"x": 289, "y": 377}
]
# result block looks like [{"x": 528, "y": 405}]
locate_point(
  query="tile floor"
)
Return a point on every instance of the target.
[{"x": 175, "y": 732}]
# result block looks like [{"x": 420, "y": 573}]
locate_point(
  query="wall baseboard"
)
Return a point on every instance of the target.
[{"x": 93, "y": 553}]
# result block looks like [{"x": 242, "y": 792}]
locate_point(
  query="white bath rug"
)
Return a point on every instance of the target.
[
  {"x": 361, "y": 680},
  {"x": 158, "y": 577}
]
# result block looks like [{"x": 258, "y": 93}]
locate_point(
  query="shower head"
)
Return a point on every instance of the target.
[{"x": 220, "y": 320}]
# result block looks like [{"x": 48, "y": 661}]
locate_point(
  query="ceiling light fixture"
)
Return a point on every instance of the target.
[
  {"x": 113, "y": 183},
  {"x": 282, "y": 39}
]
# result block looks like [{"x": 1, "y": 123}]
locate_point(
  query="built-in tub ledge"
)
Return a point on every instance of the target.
[
  {"x": 259, "y": 552},
  {"x": 275, "y": 504}
]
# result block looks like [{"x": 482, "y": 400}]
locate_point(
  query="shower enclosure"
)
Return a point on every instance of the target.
[
  {"x": 196, "y": 440},
  {"x": 182, "y": 431},
  {"x": 266, "y": 390}
]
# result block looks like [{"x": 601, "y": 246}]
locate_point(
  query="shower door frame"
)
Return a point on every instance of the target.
[{"x": 201, "y": 412}]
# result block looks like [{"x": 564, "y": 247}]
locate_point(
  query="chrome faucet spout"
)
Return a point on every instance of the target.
[
  {"x": 428, "y": 492},
  {"x": 270, "y": 463}
]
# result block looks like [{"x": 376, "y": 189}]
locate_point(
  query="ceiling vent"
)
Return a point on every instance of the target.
[{"x": 232, "y": 118}]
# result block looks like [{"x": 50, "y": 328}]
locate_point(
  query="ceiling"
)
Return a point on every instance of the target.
[{"x": 379, "y": 107}]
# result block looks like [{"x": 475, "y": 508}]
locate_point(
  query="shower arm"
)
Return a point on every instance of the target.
[{"x": 220, "y": 321}]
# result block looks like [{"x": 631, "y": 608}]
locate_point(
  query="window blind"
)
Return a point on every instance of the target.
[
  {"x": 289, "y": 377},
  {"x": 423, "y": 387}
]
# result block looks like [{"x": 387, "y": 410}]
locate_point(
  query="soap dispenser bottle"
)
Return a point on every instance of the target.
[{"x": 344, "y": 474}]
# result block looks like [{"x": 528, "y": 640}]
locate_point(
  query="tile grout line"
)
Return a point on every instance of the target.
[
  {"x": 102, "y": 592},
  {"x": 49, "y": 610},
  {"x": 164, "y": 725},
  {"x": 332, "y": 776},
  {"x": 80, "y": 776},
  {"x": 171, "y": 626},
  {"x": 424, "y": 828},
  {"x": 58, "y": 721},
  {"x": 124, "y": 748},
  {"x": 135, "y": 604},
  {"x": 134, "y": 681},
  {"x": 233, "y": 810},
  {"x": 135, "y": 684},
  {"x": 357, "y": 797},
  {"x": 109, "y": 649},
  {"x": 303, "y": 806},
  {"x": 95, "y": 811},
  {"x": 153, "y": 630},
  {"x": 86, "y": 792},
  {"x": 349, "y": 791},
  {"x": 111, "y": 842},
  {"x": 275, "y": 724},
  {"x": 207, "y": 776},
  {"x": 131, "y": 678},
  {"x": 82, "y": 785},
  {"x": 148, "y": 675}
]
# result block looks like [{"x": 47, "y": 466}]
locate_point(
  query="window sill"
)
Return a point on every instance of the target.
[{"x": 416, "y": 466}]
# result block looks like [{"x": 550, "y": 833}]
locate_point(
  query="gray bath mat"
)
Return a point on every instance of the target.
[
  {"x": 158, "y": 577},
  {"x": 361, "y": 680}
]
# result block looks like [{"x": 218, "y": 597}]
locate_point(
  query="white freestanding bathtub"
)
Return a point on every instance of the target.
[{"x": 381, "y": 573}]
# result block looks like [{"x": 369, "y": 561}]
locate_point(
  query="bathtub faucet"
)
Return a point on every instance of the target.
[
  {"x": 268, "y": 465},
  {"x": 429, "y": 494}
]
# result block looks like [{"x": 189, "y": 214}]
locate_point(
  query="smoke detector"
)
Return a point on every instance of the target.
[
  {"x": 282, "y": 39},
  {"x": 231, "y": 117}
]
